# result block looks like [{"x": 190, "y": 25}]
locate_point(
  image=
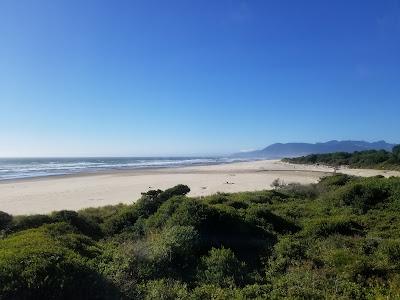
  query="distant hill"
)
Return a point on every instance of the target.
[{"x": 279, "y": 150}]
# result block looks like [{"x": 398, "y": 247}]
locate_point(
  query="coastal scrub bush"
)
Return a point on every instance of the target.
[
  {"x": 165, "y": 289},
  {"x": 329, "y": 182},
  {"x": 81, "y": 223},
  {"x": 363, "y": 196},
  {"x": 100, "y": 214},
  {"x": 35, "y": 266},
  {"x": 152, "y": 200},
  {"x": 221, "y": 267},
  {"x": 146, "y": 206},
  {"x": 5, "y": 220},
  {"x": 389, "y": 251},
  {"x": 174, "y": 250},
  {"x": 123, "y": 219},
  {"x": 178, "y": 190},
  {"x": 287, "y": 252},
  {"x": 324, "y": 227},
  {"x": 300, "y": 191},
  {"x": 215, "y": 291},
  {"x": 263, "y": 217},
  {"x": 31, "y": 221}
]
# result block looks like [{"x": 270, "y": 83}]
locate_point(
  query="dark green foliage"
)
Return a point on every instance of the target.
[
  {"x": 264, "y": 218},
  {"x": 364, "y": 195},
  {"x": 147, "y": 205},
  {"x": 216, "y": 225},
  {"x": 178, "y": 190},
  {"x": 300, "y": 191},
  {"x": 330, "y": 182},
  {"x": 165, "y": 289},
  {"x": 335, "y": 225},
  {"x": 81, "y": 223},
  {"x": 396, "y": 153},
  {"x": 220, "y": 267},
  {"x": 35, "y": 266},
  {"x": 100, "y": 214},
  {"x": 31, "y": 221},
  {"x": 151, "y": 201},
  {"x": 362, "y": 159},
  {"x": 123, "y": 219},
  {"x": 338, "y": 239},
  {"x": 172, "y": 251},
  {"x": 5, "y": 220}
]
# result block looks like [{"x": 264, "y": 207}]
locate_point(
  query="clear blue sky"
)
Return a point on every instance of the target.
[{"x": 148, "y": 77}]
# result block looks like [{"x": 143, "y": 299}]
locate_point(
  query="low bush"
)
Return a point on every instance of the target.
[
  {"x": 324, "y": 227},
  {"x": 221, "y": 267},
  {"x": 35, "y": 266},
  {"x": 81, "y": 223},
  {"x": 31, "y": 221},
  {"x": 5, "y": 220}
]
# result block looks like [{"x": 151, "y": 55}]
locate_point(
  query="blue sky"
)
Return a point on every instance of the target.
[{"x": 148, "y": 77}]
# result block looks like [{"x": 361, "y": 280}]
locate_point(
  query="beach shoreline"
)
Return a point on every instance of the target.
[{"x": 78, "y": 191}]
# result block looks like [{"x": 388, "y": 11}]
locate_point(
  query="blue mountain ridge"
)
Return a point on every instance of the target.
[{"x": 280, "y": 150}]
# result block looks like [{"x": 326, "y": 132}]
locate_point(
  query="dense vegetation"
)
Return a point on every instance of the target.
[
  {"x": 374, "y": 159},
  {"x": 338, "y": 239}
]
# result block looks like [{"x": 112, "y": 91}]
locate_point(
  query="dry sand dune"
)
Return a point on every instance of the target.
[{"x": 43, "y": 195}]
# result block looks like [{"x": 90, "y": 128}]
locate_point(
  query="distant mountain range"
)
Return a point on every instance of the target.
[{"x": 279, "y": 150}]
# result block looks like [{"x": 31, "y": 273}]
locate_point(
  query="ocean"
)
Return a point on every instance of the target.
[{"x": 15, "y": 168}]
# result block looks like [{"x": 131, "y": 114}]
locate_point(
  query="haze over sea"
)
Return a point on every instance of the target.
[{"x": 16, "y": 168}]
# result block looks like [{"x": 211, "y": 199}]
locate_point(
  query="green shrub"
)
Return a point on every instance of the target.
[
  {"x": 152, "y": 200},
  {"x": 178, "y": 190},
  {"x": 304, "y": 282},
  {"x": 35, "y": 266},
  {"x": 300, "y": 191},
  {"x": 100, "y": 214},
  {"x": 335, "y": 180},
  {"x": 165, "y": 212},
  {"x": 214, "y": 292},
  {"x": 238, "y": 204},
  {"x": 220, "y": 267},
  {"x": 389, "y": 252},
  {"x": 165, "y": 289},
  {"x": 146, "y": 206},
  {"x": 325, "y": 227},
  {"x": 126, "y": 265},
  {"x": 81, "y": 223},
  {"x": 174, "y": 250},
  {"x": 263, "y": 217},
  {"x": 363, "y": 195},
  {"x": 5, "y": 220},
  {"x": 122, "y": 220},
  {"x": 287, "y": 252},
  {"x": 32, "y": 221}
]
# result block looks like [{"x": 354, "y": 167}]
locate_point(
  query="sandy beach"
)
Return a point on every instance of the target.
[{"x": 44, "y": 195}]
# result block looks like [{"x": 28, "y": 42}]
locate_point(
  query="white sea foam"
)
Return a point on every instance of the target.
[{"x": 28, "y": 168}]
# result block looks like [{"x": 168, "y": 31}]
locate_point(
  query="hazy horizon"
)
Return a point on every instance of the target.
[
  {"x": 184, "y": 78},
  {"x": 183, "y": 155}
]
